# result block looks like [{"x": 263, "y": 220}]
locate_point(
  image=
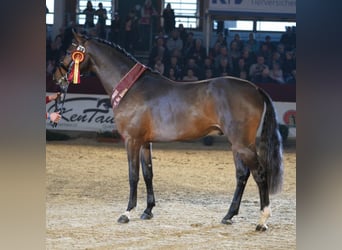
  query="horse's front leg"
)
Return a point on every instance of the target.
[
  {"x": 133, "y": 148},
  {"x": 146, "y": 163}
]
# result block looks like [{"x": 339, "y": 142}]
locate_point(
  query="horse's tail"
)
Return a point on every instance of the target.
[{"x": 270, "y": 149}]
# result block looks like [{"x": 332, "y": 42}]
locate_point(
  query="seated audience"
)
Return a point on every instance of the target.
[
  {"x": 190, "y": 76},
  {"x": 256, "y": 69},
  {"x": 276, "y": 74}
]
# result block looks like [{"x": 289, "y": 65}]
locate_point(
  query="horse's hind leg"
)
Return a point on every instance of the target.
[
  {"x": 246, "y": 161},
  {"x": 133, "y": 149},
  {"x": 259, "y": 176},
  {"x": 242, "y": 174},
  {"x": 146, "y": 163}
]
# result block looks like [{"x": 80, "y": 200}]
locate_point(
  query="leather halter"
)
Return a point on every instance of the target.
[
  {"x": 59, "y": 103},
  {"x": 68, "y": 69}
]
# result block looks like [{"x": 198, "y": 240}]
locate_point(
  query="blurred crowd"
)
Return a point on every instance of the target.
[{"x": 177, "y": 54}]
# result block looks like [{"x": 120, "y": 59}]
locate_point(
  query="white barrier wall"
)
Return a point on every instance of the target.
[{"x": 84, "y": 112}]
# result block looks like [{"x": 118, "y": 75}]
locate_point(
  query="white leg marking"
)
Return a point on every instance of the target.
[
  {"x": 264, "y": 215},
  {"x": 128, "y": 213}
]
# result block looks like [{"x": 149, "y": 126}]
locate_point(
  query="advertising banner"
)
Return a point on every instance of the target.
[
  {"x": 256, "y": 6},
  {"x": 84, "y": 112}
]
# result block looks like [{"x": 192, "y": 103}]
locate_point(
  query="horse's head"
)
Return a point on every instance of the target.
[{"x": 64, "y": 70}]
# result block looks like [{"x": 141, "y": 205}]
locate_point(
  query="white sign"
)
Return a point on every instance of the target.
[
  {"x": 84, "y": 112},
  {"x": 259, "y": 6},
  {"x": 286, "y": 112}
]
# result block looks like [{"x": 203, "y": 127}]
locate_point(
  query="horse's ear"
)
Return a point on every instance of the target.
[{"x": 78, "y": 37}]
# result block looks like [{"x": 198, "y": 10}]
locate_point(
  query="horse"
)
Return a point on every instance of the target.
[{"x": 157, "y": 109}]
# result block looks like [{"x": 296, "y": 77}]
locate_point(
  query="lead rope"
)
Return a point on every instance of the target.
[{"x": 59, "y": 104}]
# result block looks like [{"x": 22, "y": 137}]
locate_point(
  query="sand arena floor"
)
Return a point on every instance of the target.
[{"x": 87, "y": 190}]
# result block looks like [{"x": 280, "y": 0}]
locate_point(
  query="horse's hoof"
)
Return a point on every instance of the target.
[
  {"x": 123, "y": 219},
  {"x": 146, "y": 216},
  {"x": 226, "y": 221},
  {"x": 261, "y": 228}
]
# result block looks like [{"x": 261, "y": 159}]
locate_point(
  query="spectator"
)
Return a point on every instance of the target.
[
  {"x": 251, "y": 43},
  {"x": 209, "y": 73},
  {"x": 161, "y": 34},
  {"x": 221, "y": 40},
  {"x": 220, "y": 26},
  {"x": 174, "y": 42},
  {"x": 238, "y": 42},
  {"x": 266, "y": 53},
  {"x": 89, "y": 12},
  {"x": 276, "y": 74},
  {"x": 190, "y": 76},
  {"x": 224, "y": 68},
  {"x": 159, "y": 52},
  {"x": 130, "y": 31},
  {"x": 50, "y": 67},
  {"x": 269, "y": 44},
  {"x": 243, "y": 75},
  {"x": 178, "y": 53},
  {"x": 241, "y": 66},
  {"x": 223, "y": 53},
  {"x": 293, "y": 80},
  {"x": 214, "y": 51},
  {"x": 115, "y": 29},
  {"x": 159, "y": 66},
  {"x": 293, "y": 39},
  {"x": 147, "y": 11},
  {"x": 101, "y": 21},
  {"x": 249, "y": 57},
  {"x": 281, "y": 50},
  {"x": 176, "y": 66},
  {"x": 208, "y": 63},
  {"x": 191, "y": 64},
  {"x": 289, "y": 67},
  {"x": 276, "y": 59},
  {"x": 54, "y": 116},
  {"x": 256, "y": 70},
  {"x": 169, "y": 19},
  {"x": 172, "y": 75},
  {"x": 189, "y": 43},
  {"x": 265, "y": 76},
  {"x": 198, "y": 52},
  {"x": 235, "y": 53},
  {"x": 183, "y": 34},
  {"x": 289, "y": 38}
]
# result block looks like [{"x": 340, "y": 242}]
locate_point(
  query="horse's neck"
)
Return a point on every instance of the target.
[{"x": 110, "y": 70}]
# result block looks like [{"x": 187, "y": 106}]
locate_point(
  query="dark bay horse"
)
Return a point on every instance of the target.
[{"x": 157, "y": 109}]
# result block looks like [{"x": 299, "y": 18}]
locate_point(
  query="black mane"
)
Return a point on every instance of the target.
[{"x": 119, "y": 49}]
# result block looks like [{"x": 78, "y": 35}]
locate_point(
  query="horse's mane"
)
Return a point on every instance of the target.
[{"x": 119, "y": 49}]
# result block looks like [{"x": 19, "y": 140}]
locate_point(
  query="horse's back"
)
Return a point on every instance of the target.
[{"x": 168, "y": 110}]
